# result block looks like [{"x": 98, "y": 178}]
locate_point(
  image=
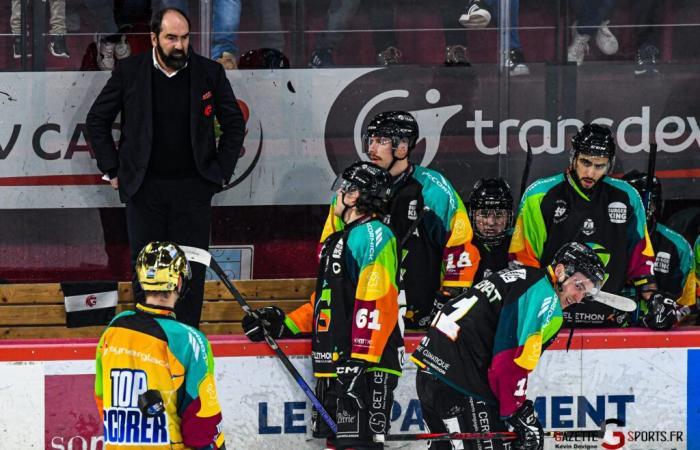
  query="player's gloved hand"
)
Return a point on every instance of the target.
[
  {"x": 269, "y": 318},
  {"x": 443, "y": 296},
  {"x": 662, "y": 312},
  {"x": 524, "y": 422},
  {"x": 351, "y": 381}
]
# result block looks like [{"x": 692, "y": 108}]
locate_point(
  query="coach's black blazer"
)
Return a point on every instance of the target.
[{"x": 129, "y": 91}]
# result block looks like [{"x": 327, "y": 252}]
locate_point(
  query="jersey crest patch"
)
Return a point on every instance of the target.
[
  {"x": 513, "y": 275},
  {"x": 588, "y": 227},
  {"x": 561, "y": 211}
]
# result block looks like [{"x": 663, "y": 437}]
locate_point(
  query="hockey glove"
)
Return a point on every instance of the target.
[
  {"x": 524, "y": 422},
  {"x": 351, "y": 381},
  {"x": 269, "y": 318},
  {"x": 441, "y": 298},
  {"x": 662, "y": 312}
]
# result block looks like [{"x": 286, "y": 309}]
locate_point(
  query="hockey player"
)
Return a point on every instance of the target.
[
  {"x": 353, "y": 316},
  {"x": 673, "y": 267},
  {"x": 696, "y": 251},
  {"x": 154, "y": 377},
  {"x": 475, "y": 359},
  {"x": 584, "y": 204},
  {"x": 427, "y": 216},
  {"x": 491, "y": 214}
]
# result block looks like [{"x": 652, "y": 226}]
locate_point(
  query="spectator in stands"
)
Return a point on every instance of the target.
[
  {"x": 384, "y": 38},
  {"x": 673, "y": 266},
  {"x": 649, "y": 16},
  {"x": 168, "y": 165},
  {"x": 583, "y": 203},
  {"x": 479, "y": 15},
  {"x": 111, "y": 44},
  {"x": 226, "y": 19},
  {"x": 592, "y": 17},
  {"x": 57, "y": 28}
]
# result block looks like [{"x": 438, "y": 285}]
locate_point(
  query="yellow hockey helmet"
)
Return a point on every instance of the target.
[{"x": 160, "y": 265}]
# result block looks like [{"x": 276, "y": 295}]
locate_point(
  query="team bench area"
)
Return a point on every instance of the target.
[{"x": 36, "y": 311}]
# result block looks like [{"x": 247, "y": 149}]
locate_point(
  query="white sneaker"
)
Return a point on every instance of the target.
[
  {"x": 578, "y": 48},
  {"x": 605, "y": 40},
  {"x": 105, "y": 55},
  {"x": 477, "y": 15},
  {"x": 122, "y": 49}
]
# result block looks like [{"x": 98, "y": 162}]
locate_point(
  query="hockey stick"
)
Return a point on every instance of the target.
[
  {"x": 204, "y": 257},
  {"x": 651, "y": 167},
  {"x": 616, "y": 301},
  {"x": 500, "y": 435},
  {"x": 505, "y": 435},
  {"x": 526, "y": 170}
]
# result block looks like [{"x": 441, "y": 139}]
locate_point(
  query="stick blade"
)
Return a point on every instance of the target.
[
  {"x": 197, "y": 255},
  {"x": 616, "y": 301}
]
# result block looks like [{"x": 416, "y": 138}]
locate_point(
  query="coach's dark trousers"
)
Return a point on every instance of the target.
[{"x": 174, "y": 210}]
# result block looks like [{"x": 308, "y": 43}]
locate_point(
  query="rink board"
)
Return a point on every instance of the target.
[{"x": 647, "y": 380}]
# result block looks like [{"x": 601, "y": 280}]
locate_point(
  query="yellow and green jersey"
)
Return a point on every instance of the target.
[
  {"x": 148, "y": 349},
  {"x": 354, "y": 312}
]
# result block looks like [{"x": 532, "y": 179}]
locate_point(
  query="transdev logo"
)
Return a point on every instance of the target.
[{"x": 433, "y": 105}]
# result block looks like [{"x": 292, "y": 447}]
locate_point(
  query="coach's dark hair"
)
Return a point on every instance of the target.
[{"x": 157, "y": 19}]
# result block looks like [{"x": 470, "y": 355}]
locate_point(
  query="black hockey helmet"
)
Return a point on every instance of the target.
[
  {"x": 593, "y": 140},
  {"x": 638, "y": 180},
  {"x": 373, "y": 183},
  {"x": 263, "y": 58},
  {"x": 579, "y": 257},
  {"x": 491, "y": 194},
  {"x": 396, "y": 125}
]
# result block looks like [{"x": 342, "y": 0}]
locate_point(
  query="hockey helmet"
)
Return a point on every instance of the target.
[
  {"x": 162, "y": 266},
  {"x": 263, "y": 58},
  {"x": 372, "y": 182},
  {"x": 593, "y": 140},
  {"x": 491, "y": 194},
  {"x": 396, "y": 125},
  {"x": 581, "y": 258},
  {"x": 638, "y": 180}
]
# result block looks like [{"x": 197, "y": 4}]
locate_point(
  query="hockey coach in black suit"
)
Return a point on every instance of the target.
[{"x": 167, "y": 165}]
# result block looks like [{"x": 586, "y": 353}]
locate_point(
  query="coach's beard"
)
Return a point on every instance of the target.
[{"x": 176, "y": 60}]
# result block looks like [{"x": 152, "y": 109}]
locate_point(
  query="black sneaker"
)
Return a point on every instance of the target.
[
  {"x": 456, "y": 55},
  {"x": 516, "y": 63},
  {"x": 646, "y": 61},
  {"x": 389, "y": 57},
  {"x": 58, "y": 48},
  {"x": 321, "y": 58}
]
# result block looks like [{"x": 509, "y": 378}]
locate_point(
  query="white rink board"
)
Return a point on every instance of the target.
[
  {"x": 647, "y": 386},
  {"x": 299, "y": 122}
]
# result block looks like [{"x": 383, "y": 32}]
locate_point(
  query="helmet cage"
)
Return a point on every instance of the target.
[{"x": 491, "y": 194}]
